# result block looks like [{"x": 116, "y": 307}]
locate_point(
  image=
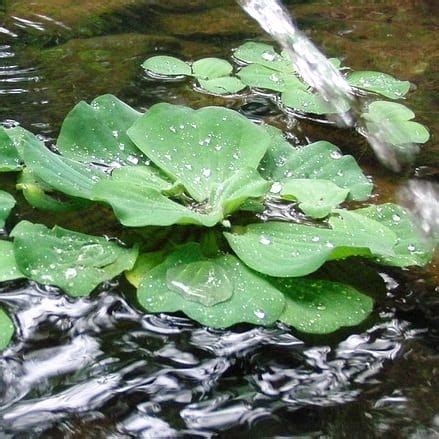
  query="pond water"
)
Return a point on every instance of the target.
[{"x": 100, "y": 368}]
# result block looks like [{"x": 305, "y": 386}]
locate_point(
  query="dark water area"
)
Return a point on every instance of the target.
[{"x": 100, "y": 368}]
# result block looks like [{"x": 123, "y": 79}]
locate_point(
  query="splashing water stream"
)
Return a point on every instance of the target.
[{"x": 323, "y": 76}]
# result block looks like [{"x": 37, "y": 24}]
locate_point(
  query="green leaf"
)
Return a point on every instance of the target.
[
  {"x": 210, "y": 68},
  {"x": 320, "y": 160},
  {"x": 96, "y": 133},
  {"x": 144, "y": 263},
  {"x": 41, "y": 196},
  {"x": 73, "y": 261},
  {"x": 6, "y": 329},
  {"x": 137, "y": 205},
  {"x": 137, "y": 202},
  {"x": 7, "y": 203},
  {"x": 222, "y": 86},
  {"x": 253, "y": 300},
  {"x": 199, "y": 148},
  {"x": 322, "y": 307},
  {"x": 380, "y": 83},
  {"x": 167, "y": 65},
  {"x": 204, "y": 282},
  {"x": 264, "y": 55},
  {"x": 9, "y": 158},
  {"x": 412, "y": 247},
  {"x": 255, "y": 75},
  {"x": 8, "y": 266},
  {"x": 290, "y": 250},
  {"x": 400, "y": 129},
  {"x": 316, "y": 198},
  {"x": 60, "y": 173},
  {"x": 307, "y": 101}
]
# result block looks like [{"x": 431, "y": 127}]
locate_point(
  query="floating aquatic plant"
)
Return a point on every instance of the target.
[
  {"x": 175, "y": 166},
  {"x": 261, "y": 67}
]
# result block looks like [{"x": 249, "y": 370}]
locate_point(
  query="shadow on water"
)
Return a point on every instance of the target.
[{"x": 99, "y": 368}]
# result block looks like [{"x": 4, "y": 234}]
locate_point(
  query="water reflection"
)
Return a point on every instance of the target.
[{"x": 159, "y": 375}]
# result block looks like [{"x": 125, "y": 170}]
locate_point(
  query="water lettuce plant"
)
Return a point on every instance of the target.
[
  {"x": 261, "y": 68},
  {"x": 198, "y": 178}
]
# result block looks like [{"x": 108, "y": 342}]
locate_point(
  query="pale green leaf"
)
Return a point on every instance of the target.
[
  {"x": 75, "y": 262},
  {"x": 400, "y": 129},
  {"x": 199, "y": 148},
  {"x": 8, "y": 266},
  {"x": 307, "y": 101},
  {"x": 9, "y": 157},
  {"x": 6, "y": 329},
  {"x": 322, "y": 307},
  {"x": 380, "y": 83},
  {"x": 412, "y": 247},
  {"x": 7, "y": 203},
  {"x": 211, "y": 68},
  {"x": 263, "y": 54},
  {"x": 316, "y": 198},
  {"x": 290, "y": 250},
  {"x": 41, "y": 196},
  {"x": 222, "y": 86},
  {"x": 253, "y": 300},
  {"x": 167, "y": 65},
  {"x": 144, "y": 263},
  {"x": 96, "y": 133},
  {"x": 255, "y": 75},
  {"x": 60, "y": 173}
]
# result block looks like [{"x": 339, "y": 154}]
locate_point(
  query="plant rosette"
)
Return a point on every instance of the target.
[{"x": 174, "y": 168}]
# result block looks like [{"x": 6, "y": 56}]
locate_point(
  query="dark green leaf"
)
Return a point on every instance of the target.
[
  {"x": 321, "y": 307},
  {"x": 75, "y": 262},
  {"x": 7, "y": 203}
]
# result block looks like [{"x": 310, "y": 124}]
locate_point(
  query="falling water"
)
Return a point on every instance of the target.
[{"x": 323, "y": 76}]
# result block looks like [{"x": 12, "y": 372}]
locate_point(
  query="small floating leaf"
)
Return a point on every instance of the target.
[
  {"x": 380, "y": 83},
  {"x": 401, "y": 129},
  {"x": 210, "y": 68},
  {"x": 222, "y": 86},
  {"x": 316, "y": 197},
  {"x": 7, "y": 202},
  {"x": 73, "y": 261},
  {"x": 9, "y": 157},
  {"x": 322, "y": 307},
  {"x": 6, "y": 329},
  {"x": 8, "y": 265},
  {"x": 412, "y": 247},
  {"x": 264, "y": 55},
  {"x": 255, "y": 75},
  {"x": 307, "y": 101},
  {"x": 167, "y": 65},
  {"x": 253, "y": 300}
]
